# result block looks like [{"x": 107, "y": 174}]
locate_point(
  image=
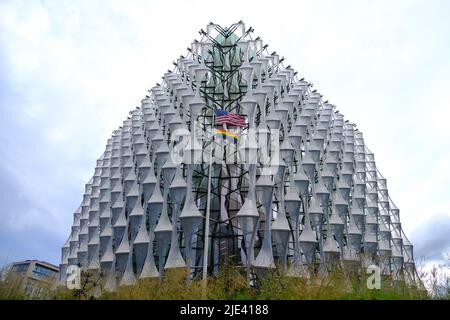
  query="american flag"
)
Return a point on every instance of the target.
[{"x": 233, "y": 119}]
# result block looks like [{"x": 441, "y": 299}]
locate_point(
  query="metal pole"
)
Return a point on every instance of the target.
[{"x": 208, "y": 209}]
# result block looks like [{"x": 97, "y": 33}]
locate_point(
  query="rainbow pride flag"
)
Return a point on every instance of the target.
[{"x": 222, "y": 133}]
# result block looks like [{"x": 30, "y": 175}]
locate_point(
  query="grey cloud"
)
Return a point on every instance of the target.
[{"x": 432, "y": 238}]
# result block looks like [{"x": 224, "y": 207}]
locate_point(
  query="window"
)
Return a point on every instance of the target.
[
  {"x": 42, "y": 272},
  {"x": 29, "y": 288},
  {"x": 21, "y": 267},
  {"x": 39, "y": 293}
]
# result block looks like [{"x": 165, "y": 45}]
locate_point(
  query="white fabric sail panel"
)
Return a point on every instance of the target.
[{"x": 143, "y": 212}]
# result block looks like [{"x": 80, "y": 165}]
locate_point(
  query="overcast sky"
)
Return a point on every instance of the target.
[{"x": 71, "y": 70}]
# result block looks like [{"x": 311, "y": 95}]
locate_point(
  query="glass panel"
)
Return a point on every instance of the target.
[
  {"x": 21, "y": 267},
  {"x": 42, "y": 272}
]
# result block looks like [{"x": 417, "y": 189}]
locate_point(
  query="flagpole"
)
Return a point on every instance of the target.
[{"x": 207, "y": 218}]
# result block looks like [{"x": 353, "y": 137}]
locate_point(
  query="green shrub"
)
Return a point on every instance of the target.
[{"x": 231, "y": 283}]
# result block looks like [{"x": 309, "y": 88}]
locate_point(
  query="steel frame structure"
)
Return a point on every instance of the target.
[{"x": 324, "y": 203}]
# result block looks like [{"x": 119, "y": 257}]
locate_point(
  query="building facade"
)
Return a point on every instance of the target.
[
  {"x": 234, "y": 158},
  {"x": 36, "y": 278}
]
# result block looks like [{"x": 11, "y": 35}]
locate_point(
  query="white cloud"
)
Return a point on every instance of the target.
[{"x": 79, "y": 67}]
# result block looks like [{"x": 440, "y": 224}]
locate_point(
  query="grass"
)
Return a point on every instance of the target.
[
  {"x": 11, "y": 289},
  {"x": 231, "y": 283}
]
